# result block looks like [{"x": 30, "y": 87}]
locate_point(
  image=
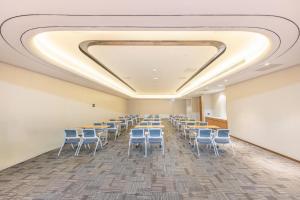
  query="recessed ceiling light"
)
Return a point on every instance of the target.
[
  {"x": 267, "y": 63},
  {"x": 155, "y": 78},
  {"x": 154, "y": 70},
  {"x": 225, "y": 80}
]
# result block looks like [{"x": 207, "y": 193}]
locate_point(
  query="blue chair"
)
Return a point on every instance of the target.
[
  {"x": 89, "y": 136},
  {"x": 71, "y": 137},
  {"x": 155, "y": 123},
  {"x": 144, "y": 123},
  {"x": 155, "y": 136},
  {"x": 223, "y": 137},
  {"x": 137, "y": 136},
  {"x": 205, "y": 136},
  {"x": 112, "y": 129},
  {"x": 123, "y": 124},
  {"x": 186, "y": 128}
]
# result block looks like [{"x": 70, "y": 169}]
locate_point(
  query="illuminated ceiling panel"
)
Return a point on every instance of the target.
[{"x": 151, "y": 70}]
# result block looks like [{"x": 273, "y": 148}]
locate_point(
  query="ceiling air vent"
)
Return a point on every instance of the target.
[{"x": 268, "y": 67}]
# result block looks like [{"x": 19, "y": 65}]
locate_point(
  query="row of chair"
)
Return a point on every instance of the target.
[
  {"x": 138, "y": 136},
  {"x": 88, "y": 136},
  {"x": 210, "y": 138}
]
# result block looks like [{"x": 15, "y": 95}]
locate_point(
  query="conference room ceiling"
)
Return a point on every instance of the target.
[{"x": 151, "y": 52}]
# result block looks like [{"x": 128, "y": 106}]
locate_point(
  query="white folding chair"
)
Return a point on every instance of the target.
[{"x": 71, "y": 137}]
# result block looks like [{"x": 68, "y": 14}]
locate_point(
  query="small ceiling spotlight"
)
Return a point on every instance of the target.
[
  {"x": 267, "y": 63},
  {"x": 155, "y": 78},
  {"x": 154, "y": 70}
]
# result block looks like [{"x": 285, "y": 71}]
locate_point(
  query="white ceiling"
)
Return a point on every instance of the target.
[
  {"x": 276, "y": 19},
  {"x": 154, "y": 69}
]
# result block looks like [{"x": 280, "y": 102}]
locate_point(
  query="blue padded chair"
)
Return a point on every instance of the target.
[
  {"x": 144, "y": 123},
  {"x": 223, "y": 137},
  {"x": 205, "y": 136},
  {"x": 155, "y": 123},
  {"x": 186, "y": 128},
  {"x": 155, "y": 136},
  {"x": 71, "y": 137},
  {"x": 89, "y": 136},
  {"x": 123, "y": 124},
  {"x": 112, "y": 129},
  {"x": 137, "y": 136}
]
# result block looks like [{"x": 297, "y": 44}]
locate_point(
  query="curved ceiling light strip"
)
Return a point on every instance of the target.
[{"x": 152, "y": 15}]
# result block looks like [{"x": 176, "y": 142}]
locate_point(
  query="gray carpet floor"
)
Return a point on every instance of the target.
[{"x": 252, "y": 173}]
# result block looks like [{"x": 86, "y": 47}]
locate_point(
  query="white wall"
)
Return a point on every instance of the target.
[
  {"x": 156, "y": 106},
  {"x": 215, "y": 105},
  {"x": 35, "y": 109},
  {"x": 266, "y": 111}
]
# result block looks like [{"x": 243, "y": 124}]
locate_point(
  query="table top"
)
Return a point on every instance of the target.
[
  {"x": 149, "y": 126},
  {"x": 95, "y": 126},
  {"x": 208, "y": 126}
]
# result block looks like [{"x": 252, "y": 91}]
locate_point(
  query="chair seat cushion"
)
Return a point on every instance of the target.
[
  {"x": 137, "y": 140},
  {"x": 222, "y": 140},
  {"x": 204, "y": 141},
  {"x": 90, "y": 140},
  {"x": 72, "y": 140}
]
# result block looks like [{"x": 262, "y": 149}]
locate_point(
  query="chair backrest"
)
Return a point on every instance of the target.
[
  {"x": 190, "y": 123},
  {"x": 111, "y": 125},
  {"x": 71, "y": 133},
  {"x": 224, "y": 133},
  {"x": 156, "y": 119},
  {"x": 89, "y": 133},
  {"x": 123, "y": 120},
  {"x": 204, "y": 133},
  {"x": 144, "y": 123},
  {"x": 137, "y": 132},
  {"x": 155, "y": 123},
  {"x": 155, "y": 132},
  {"x": 203, "y": 123},
  {"x": 97, "y": 123}
]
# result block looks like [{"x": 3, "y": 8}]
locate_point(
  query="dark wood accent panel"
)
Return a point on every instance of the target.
[
  {"x": 201, "y": 117},
  {"x": 218, "y": 122}
]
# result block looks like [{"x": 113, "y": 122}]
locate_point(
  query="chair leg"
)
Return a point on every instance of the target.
[
  {"x": 116, "y": 133},
  {"x": 163, "y": 147},
  {"x": 78, "y": 149},
  {"x": 96, "y": 148},
  {"x": 72, "y": 146},
  {"x": 101, "y": 145},
  {"x": 198, "y": 148},
  {"x": 129, "y": 148},
  {"x": 215, "y": 149},
  {"x": 60, "y": 149},
  {"x": 145, "y": 148}
]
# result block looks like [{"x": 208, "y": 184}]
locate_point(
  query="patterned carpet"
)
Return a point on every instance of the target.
[{"x": 251, "y": 174}]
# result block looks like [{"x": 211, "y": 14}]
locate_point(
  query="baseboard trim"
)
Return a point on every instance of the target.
[{"x": 282, "y": 155}]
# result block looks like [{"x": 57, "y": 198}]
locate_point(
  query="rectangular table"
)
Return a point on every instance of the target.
[
  {"x": 149, "y": 126},
  {"x": 95, "y": 126},
  {"x": 207, "y": 126}
]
